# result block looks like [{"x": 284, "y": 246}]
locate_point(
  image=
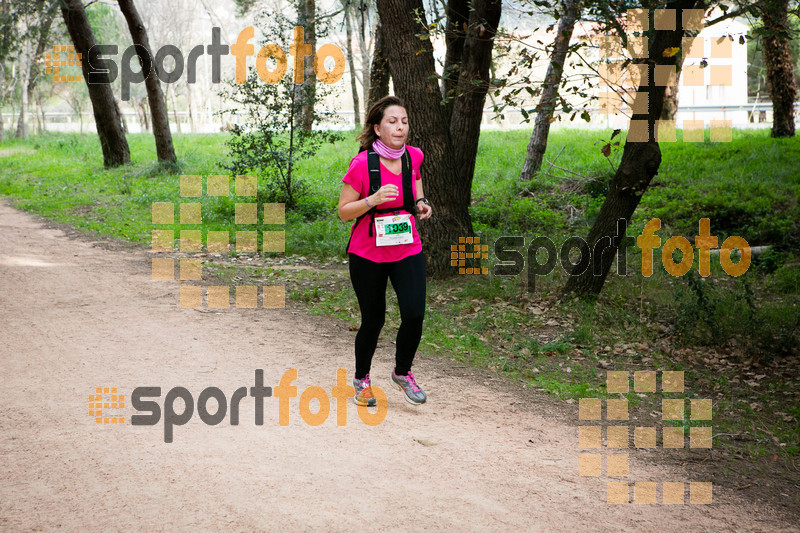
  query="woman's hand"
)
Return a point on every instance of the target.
[
  {"x": 424, "y": 210},
  {"x": 387, "y": 193}
]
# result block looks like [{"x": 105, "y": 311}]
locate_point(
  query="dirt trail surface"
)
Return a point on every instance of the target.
[{"x": 482, "y": 454}]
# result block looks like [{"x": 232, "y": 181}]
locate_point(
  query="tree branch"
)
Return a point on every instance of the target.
[{"x": 729, "y": 15}]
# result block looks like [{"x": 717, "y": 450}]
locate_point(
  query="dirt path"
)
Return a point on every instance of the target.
[{"x": 481, "y": 455}]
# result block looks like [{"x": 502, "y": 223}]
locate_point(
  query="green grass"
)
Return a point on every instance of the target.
[
  {"x": 748, "y": 187},
  {"x": 726, "y": 182},
  {"x": 61, "y": 177}
]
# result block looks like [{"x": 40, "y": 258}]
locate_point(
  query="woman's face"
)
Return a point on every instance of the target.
[{"x": 393, "y": 129}]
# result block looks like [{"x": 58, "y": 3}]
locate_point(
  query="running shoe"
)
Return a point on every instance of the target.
[
  {"x": 363, "y": 392},
  {"x": 407, "y": 384}
]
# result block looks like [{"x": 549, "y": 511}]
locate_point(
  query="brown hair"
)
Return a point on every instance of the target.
[{"x": 374, "y": 117}]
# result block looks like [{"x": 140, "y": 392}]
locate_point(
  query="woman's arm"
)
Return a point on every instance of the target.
[
  {"x": 424, "y": 210},
  {"x": 351, "y": 205}
]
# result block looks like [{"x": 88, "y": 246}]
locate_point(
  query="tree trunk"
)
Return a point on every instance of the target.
[
  {"x": 307, "y": 15},
  {"x": 379, "y": 72},
  {"x": 2, "y": 97},
  {"x": 457, "y": 12},
  {"x": 671, "y": 96},
  {"x": 22, "y": 119},
  {"x": 450, "y": 147},
  {"x": 158, "y": 105},
  {"x": 363, "y": 46},
  {"x": 190, "y": 107},
  {"x": 175, "y": 111},
  {"x": 352, "y": 64},
  {"x": 25, "y": 71},
  {"x": 41, "y": 119},
  {"x": 121, "y": 118},
  {"x": 639, "y": 164},
  {"x": 548, "y": 101},
  {"x": 106, "y": 114},
  {"x": 44, "y": 25},
  {"x": 473, "y": 84},
  {"x": 142, "y": 112},
  {"x": 780, "y": 69}
]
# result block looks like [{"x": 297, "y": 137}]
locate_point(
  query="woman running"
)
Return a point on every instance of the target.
[{"x": 383, "y": 190}]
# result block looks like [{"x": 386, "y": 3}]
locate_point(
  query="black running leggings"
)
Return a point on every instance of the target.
[{"x": 369, "y": 281}]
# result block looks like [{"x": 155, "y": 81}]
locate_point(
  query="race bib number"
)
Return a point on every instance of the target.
[{"x": 393, "y": 230}]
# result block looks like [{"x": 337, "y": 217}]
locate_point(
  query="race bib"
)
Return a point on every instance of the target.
[{"x": 392, "y": 230}]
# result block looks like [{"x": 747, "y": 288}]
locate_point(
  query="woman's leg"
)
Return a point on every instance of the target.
[
  {"x": 369, "y": 282},
  {"x": 408, "y": 280}
]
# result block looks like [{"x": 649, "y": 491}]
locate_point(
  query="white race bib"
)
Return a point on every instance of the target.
[{"x": 392, "y": 230}]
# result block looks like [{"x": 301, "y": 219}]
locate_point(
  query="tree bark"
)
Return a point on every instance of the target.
[
  {"x": 379, "y": 73},
  {"x": 450, "y": 147},
  {"x": 548, "y": 101},
  {"x": 307, "y": 15},
  {"x": 106, "y": 115},
  {"x": 142, "y": 114},
  {"x": 41, "y": 118},
  {"x": 175, "y": 115},
  {"x": 457, "y": 12},
  {"x": 158, "y": 104},
  {"x": 352, "y": 64},
  {"x": 121, "y": 118},
  {"x": 639, "y": 164},
  {"x": 190, "y": 107},
  {"x": 672, "y": 93},
  {"x": 363, "y": 46},
  {"x": 41, "y": 33},
  {"x": 2, "y": 100},
  {"x": 671, "y": 98},
  {"x": 780, "y": 68},
  {"x": 473, "y": 84},
  {"x": 2, "y": 118},
  {"x": 25, "y": 70},
  {"x": 42, "y": 43}
]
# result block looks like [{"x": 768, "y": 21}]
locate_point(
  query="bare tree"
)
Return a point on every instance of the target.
[
  {"x": 640, "y": 161},
  {"x": 307, "y": 18},
  {"x": 106, "y": 113},
  {"x": 8, "y": 45},
  {"x": 48, "y": 10},
  {"x": 352, "y": 64},
  {"x": 35, "y": 18},
  {"x": 548, "y": 101},
  {"x": 158, "y": 105},
  {"x": 364, "y": 42}
]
